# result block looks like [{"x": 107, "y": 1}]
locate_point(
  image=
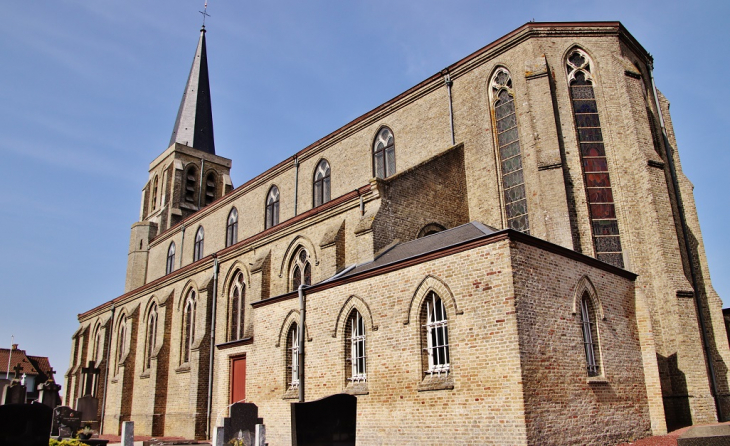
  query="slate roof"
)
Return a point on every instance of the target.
[{"x": 421, "y": 246}]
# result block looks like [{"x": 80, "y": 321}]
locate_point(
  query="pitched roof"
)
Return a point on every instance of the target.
[
  {"x": 17, "y": 357},
  {"x": 194, "y": 122}
]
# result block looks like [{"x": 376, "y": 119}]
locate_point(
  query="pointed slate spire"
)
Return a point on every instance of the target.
[{"x": 194, "y": 123}]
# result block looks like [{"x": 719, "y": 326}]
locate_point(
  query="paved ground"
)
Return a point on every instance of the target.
[{"x": 662, "y": 440}]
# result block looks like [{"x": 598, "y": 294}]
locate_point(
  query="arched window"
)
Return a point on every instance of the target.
[
  {"x": 430, "y": 229},
  {"x": 154, "y": 193},
  {"x": 232, "y": 228},
  {"x": 198, "y": 246},
  {"x": 292, "y": 357},
  {"x": 322, "y": 183},
  {"x": 188, "y": 328},
  {"x": 121, "y": 342},
  {"x": 151, "y": 336},
  {"x": 508, "y": 147},
  {"x": 590, "y": 335},
  {"x": 355, "y": 348},
  {"x": 97, "y": 347},
  {"x": 384, "y": 154},
  {"x": 436, "y": 333},
  {"x": 209, "y": 188},
  {"x": 170, "y": 266},
  {"x": 272, "y": 207},
  {"x": 237, "y": 305},
  {"x": 301, "y": 269},
  {"x": 604, "y": 224},
  {"x": 191, "y": 180}
]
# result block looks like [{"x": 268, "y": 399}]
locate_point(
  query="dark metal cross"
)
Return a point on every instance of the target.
[
  {"x": 17, "y": 370},
  {"x": 205, "y": 12}
]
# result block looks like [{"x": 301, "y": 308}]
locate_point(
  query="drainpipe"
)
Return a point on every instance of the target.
[
  {"x": 212, "y": 343},
  {"x": 200, "y": 189},
  {"x": 688, "y": 249},
  {"x": 182, "y": 242},
  {"x": 300, "y": 340},
  {"x": 296, "y": 184},
  {"x": 106, "y": 371},
  {"x": 449, "y": 83}
]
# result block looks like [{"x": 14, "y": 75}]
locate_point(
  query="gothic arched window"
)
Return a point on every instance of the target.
[
  {"x": 188, "y": 327},
  {"x": 508, "y": 148},
  {"x": 97, "y": 347},
  {"x": 590, "y": 335},
  {"x": 604, "y": 224},
  {"x": 237, "y": 304},
  {"x": 272, "y": 207},
  {"x": 121, "y": 342},
  {"x": 301, "y": 269},
  {"x": 170, "y": 265},
  {"x": 191, "y": 180},
  {"x": 209, "y": 189},
  {"x": 151, "y": 336},
  {"x": 154, "y": 193},
  {"x": 322, "y": 183},
  {"x": 292, "y": 357},
  {"x": 355, "y": 348},
  {"x": 384, "y": 154},
  {"x": 198, "y": 246},
  {"x": 232, "y": 228},
  {"x": 436, "y": 332}
]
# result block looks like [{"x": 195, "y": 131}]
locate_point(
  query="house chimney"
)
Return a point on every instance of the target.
[{"x": 15, "y": 347}]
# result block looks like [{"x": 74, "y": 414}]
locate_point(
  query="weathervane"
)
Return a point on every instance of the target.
[{"x": 205, "y": 12}]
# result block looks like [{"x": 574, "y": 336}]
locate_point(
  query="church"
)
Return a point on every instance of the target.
[{"x": 506, "y": 253}]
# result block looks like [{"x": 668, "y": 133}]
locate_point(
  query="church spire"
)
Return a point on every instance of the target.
[{"x": 194, "y": 123}]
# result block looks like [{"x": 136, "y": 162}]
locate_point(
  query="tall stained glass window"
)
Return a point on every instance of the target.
[
  {"x": 508, "y": 146},
  {"x": 604, "y": 225}
]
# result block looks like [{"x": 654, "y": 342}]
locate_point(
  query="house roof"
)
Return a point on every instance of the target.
[{"x": 17, "y": 357}]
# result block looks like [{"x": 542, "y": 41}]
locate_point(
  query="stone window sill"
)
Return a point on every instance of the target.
[
  {"x": 145, "y": 374},
  {"x": 436, "y": 382},
  {"x": 597, "y": 380},
  {"x": 357, "y": 388},
  {"x": 184, "y": 368},
  {"x": 291, "y": 394}
]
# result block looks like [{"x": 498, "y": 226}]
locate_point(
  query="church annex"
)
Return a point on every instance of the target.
[{"x": 506, "y": 253}]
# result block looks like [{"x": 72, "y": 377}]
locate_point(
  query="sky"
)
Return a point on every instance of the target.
[{"x": 89, "y": 91}]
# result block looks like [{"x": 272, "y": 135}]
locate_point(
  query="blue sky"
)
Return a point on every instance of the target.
[{"x": 89, "y": 90}]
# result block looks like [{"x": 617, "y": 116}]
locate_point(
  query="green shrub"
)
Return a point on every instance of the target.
[{"x": 65, "y": 442}]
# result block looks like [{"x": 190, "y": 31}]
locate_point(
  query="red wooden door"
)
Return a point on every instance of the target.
[{"x": 238, "y": 379}]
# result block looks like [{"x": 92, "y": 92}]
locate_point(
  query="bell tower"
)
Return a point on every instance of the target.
[{"x": 186, "y": 177}]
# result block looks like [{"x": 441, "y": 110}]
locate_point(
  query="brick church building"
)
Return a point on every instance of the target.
[{"x": 506, "y": 253}]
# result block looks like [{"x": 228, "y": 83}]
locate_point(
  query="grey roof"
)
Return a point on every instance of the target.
[
  {"x": 421, "y": 246},
  {"x": 194, "y": 123}
]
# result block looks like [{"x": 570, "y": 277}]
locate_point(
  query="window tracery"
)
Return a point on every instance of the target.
[
  {"x": 598, "y": 188},
  {"x": 301, "y": 269},
  {"x": 237, "y": 305},
  {"x": 151, "y": 336},
  {"x": 322, "y": 183},
  {"x": 188, "y": 327},
  {"x": 384, "y": 153},
  {"x": 272, "y": 207},
  {"x": 508, "y": 148}
]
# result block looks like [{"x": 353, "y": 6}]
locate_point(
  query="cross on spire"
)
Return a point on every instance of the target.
[{"x": 205, "y": 12}]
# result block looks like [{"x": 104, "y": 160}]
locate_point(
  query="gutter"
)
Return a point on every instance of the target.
[
  {"x": 449, "y": 83},
  {"x": 300, "y": 341},
  {"x": 688, "y": 250}
]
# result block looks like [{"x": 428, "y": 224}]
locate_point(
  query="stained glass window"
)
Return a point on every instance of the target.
[
  {"x": 599, "y": 193},
  {"x": 508, "y": 144}
]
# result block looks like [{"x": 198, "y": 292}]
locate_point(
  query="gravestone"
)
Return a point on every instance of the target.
[
  {"x": 15, "y": 393},
  {"x": 25, "y": 425},
  {"x": 3, "y": 384},
  {"x": 88, "y": 406},
  {"x": 66, "y": 421},
  {"x": 242, "y": 422},
  {"x": 48, "y": 394},
  {"x": 331, "y": 421}
]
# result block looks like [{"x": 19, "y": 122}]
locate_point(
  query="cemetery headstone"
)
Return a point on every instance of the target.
[
  {"x": 88, "y": 406},
  {"x": 331, "y": 420},
  {"x": 3, "y": 384},
  {"x": 242, "y": 422},
  {"x": 25, "y": 425},
  {"x": 48, "y": 394},
  {"x": 15, "y": 393},
  {"x": 66, "y": 421}
]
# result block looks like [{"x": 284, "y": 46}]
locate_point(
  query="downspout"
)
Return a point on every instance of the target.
[
  {"x": 449, "y": 83},
  {"x": 108, "y": 365},
  {"x": 300, "y": 340},
  {"x": 688, "y": 249},
  {"x": 182, "y": 243},
  {"x": 200, "y": 189},
  {"x": 212, "y": 343},
  {"x": 296, "y": 184}
]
